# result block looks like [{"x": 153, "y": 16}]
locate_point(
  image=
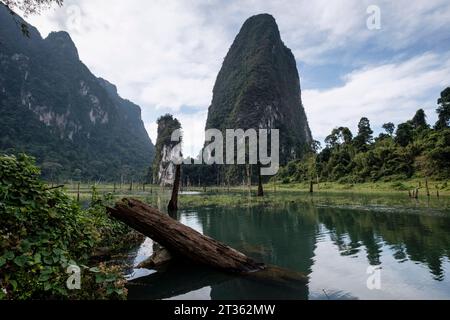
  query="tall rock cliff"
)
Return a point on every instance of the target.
[
  {"x": 54, "y": 108},
  {"x": 163, "y": 169},
  {"x": 259, "y": 87}
]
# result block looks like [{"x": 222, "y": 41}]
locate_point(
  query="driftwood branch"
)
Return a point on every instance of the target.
[
  {"x": 173, "y": 204},
  {"x": 171, "y": 280},
  {"x": 181, "y": 240}
]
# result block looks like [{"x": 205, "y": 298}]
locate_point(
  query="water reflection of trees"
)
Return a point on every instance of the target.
[
  {"x": 419, "y": 238},
  {"x": 279, "y": 236},
  {"x": 287, "y": 234}
]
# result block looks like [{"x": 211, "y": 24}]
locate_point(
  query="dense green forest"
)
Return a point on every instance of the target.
[{"x": 412, "y": 149}]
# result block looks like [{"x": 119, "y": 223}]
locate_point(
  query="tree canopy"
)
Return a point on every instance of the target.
[
  {"x": 413, "y": 149},
  {"x": 29, "y": 7},
  {"x": 443, "y": 110}
]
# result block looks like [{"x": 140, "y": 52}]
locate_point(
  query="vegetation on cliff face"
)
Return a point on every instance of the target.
[
  {"x": 258, "y": 87},
  {"x": 162, "y": 168},
  {"x": 43, "y": 232},
  {"x": 54, "y": 108},
  {"x": 413, "y": 149}
]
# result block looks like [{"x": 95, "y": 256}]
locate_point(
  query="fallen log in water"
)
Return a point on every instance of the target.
[
  {"x": 180, "y": 239},
  {"x": 157, "y": 261},
  {"x": 279, "y": 276},
  {"x": 161, "y": 259},
  {"x": 182, "y": 277},
  {"x": 184, "y": 242},
  {"x": 177, "y": 279}
]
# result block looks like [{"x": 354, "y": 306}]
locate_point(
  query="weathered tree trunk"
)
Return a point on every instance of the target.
[
  {"x": 158, "y": 260},
  {"x": 182, "y": 240},
  {"x": 249, "y": 178},
  {"x": 171, "y": 281},
  {"x": 260, "y": 186},
  {"x": 173, "y": 203},
  {"x": 169, "y": 267}
]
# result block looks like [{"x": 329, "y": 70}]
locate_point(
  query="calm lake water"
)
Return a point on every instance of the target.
[{"x": 403, "y": 252}]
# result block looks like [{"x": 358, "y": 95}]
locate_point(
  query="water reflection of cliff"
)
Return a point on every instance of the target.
[{"x": 278, "y": 236}]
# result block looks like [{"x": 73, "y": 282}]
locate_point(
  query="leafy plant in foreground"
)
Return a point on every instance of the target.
[{"x": 43, "y": 232}]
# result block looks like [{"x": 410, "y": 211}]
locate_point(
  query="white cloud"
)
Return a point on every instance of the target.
[
  {"x": 390, "y": 92},
  {"x": 168, "y": 53},
  {"x": 152, "y": 130},
  {"x": 193, "y": 126},
  {"x": 193, "y": 132},
  {"x": 174, "y": 92},
  {"x": 165, "y": 54},
  {"x": 159, "y": 53}
]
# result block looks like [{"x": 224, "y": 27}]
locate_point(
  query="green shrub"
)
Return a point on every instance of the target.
[{"x": 43, "y": 232}]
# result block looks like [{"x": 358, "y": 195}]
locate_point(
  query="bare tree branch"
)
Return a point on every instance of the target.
[{"x": 30, "y": 7}]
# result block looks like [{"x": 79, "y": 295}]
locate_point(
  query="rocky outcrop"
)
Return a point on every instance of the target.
[
  {"x": 54, "y": 108},
  {"x": 163, "y": 168},
  {"x": 258, "y": 87}
]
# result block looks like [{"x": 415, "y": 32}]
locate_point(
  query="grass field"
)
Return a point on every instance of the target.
[
  {"x": 367, "y": 194},
  {"x": 381, "y": 187}
]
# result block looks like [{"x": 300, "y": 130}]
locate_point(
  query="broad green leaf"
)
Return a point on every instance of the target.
[
  {"x": 13, "y": 284},
  {"x": 21, "y": 260},
  {"x": 43, "y": 277},
  {"x": 9, "y": 255}
]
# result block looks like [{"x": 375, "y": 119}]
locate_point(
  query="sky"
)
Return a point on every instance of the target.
[{"x": 379, "y": 59}]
